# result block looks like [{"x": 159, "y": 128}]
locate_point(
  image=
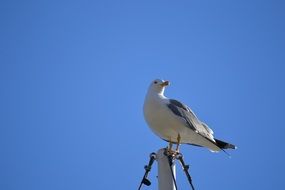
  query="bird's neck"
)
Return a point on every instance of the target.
[{"x": 155, "y": 96}]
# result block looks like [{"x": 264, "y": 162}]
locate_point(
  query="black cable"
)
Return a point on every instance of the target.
[
  {"x": 170, "y": 161},
  {"x": 147, "y": 170},
  {"x": 185, "y": 169}
]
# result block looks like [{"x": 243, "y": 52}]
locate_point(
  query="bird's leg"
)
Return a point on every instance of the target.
[
  {"x": 170, "y": 146},
  {"x": 178, "y": 143}
]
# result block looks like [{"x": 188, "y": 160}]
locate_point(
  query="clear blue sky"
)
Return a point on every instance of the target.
[{"x": 73, "y": 76}]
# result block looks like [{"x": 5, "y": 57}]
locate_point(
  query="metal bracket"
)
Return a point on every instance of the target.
[{"x": 147, "y": 168}]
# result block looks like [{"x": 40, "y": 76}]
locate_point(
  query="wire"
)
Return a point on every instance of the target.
[
  {"x": 147, "y": 170},
  {"x": 170, "y": 161},
  {"x": 185, "y": 169}
]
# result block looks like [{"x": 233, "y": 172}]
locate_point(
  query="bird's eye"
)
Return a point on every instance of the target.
[{"x": 155, "y": 82}]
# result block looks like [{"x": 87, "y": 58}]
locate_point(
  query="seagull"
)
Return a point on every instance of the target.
[{"x": 176, "y": 123}]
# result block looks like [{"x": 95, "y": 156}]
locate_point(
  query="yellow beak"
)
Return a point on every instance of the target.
[{"x": 165, "y": 83}]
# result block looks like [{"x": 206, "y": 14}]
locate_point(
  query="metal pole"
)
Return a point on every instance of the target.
[{"x": 165, "y": 179}]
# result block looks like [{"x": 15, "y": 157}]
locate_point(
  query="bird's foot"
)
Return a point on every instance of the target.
[
  {"x": 171, "y": 152},
  {"x": 169, "y": 149}
]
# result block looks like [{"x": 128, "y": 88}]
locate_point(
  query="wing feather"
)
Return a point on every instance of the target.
[{"x": 191, "y": 119}]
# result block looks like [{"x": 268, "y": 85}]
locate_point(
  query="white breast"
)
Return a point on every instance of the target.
[{"x": 161, "y": 120}]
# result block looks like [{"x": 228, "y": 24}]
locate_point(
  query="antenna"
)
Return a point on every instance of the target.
[{"x": 166, "y": 169}]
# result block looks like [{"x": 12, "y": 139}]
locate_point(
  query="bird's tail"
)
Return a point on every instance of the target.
[{"x": 224, "y": 145}]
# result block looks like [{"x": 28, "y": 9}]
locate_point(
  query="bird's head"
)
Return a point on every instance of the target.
[{"x": 158, "y": 86}]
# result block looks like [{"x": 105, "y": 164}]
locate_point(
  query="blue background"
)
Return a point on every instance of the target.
[{"x": 73, "y": 76}]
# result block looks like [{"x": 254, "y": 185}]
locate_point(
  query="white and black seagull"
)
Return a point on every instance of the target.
[{"x": 176, "y": 123}]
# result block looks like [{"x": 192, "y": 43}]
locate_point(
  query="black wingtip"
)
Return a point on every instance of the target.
[{"x": 224, "y": 145}]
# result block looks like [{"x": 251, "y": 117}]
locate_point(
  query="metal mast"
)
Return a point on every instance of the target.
[{"x": 166, "y": 171}]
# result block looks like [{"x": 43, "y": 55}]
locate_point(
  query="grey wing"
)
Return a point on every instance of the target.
[
  {"x": 181, "y": 110},
  {"x": 207, "y": 128}
]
